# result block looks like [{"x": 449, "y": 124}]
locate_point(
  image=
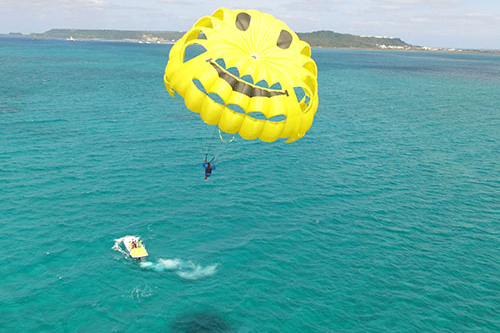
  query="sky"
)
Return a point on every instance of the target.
[{"x": 434, "y": 23}]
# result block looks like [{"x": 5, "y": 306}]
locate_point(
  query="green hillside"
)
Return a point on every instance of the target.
[
  {"x": 119, "y": 35},
  {"x": 315, "y": 39},
  {"x": 333, "y": 39}
]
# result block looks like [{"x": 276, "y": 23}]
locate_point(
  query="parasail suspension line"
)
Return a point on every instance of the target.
[
  {"x": 211, "y": 142},
  {"x": 225, "y": 147},
  {"x": 222, "y": 139}
]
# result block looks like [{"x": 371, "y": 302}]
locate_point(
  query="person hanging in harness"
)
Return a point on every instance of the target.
[{"x": 208, "y": 168}]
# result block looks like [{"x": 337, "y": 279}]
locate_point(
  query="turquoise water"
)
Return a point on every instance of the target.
[{"x": 385, "y": 217}]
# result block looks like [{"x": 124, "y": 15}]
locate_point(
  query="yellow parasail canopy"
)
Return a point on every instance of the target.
[{"x": 247, "y": 73}]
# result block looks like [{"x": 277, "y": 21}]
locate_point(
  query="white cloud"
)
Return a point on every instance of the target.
[
  {"x": 482, "y": 16},
  {"x": 176, "y": 2},
  {"x": 55, "y": 4},
  {"x": 419, "y": 19},
  {"x": 419, "y": 2},
  {"x": 312, "y": 5}
]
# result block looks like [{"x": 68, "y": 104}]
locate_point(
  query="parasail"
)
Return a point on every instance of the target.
[{"x": 246, "y": 72}]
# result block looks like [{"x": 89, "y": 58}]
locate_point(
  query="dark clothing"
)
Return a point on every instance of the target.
[{"x": 208, "y": 169}]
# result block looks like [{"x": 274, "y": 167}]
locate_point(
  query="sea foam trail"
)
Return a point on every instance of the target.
[
  {"x": 185, "y": 269},
  {"x": 118, "y": 248}
]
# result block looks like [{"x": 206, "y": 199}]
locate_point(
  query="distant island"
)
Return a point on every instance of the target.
[
  {"x": 159, "y": 37},
  {"x": 315, "y": 39},
  {"x": 318, "y": 39},
  {"x": 327, "y": 38}
]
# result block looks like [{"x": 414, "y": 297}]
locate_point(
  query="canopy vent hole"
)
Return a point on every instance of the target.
[
  {"x": 234, "y": 71},
  {"x": 262, "y": 84},
  {"x": 278, "y": 118},
  {"x": 236, "y": 108},
  {"x": 276, "y": 86},
  {"x": 199, "y": 85},
  {"x": 216, "y": 98},
  {"x": 221, "y": 63},
  {"x": 247, "y": 78},
  {"x": 257, "y": 115},
  {"x": 192, "y": 51}
]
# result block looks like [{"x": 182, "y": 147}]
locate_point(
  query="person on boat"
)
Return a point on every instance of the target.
[
  {"x": 208, "y": 169},
  {"x": 139, "y": 243}
]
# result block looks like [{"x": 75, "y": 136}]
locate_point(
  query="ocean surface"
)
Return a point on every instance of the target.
[{"x": 385, "y": 217}]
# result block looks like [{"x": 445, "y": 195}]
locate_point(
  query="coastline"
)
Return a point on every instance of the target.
[
  {"x": 415, "y": 49},
  {"x": 171, "y": 42}
]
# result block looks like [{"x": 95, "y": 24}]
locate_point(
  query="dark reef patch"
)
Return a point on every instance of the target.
[{"x": 201, "y": 322}]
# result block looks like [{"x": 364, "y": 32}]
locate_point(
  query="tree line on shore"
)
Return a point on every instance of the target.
[{"x": 315, "y": 39}]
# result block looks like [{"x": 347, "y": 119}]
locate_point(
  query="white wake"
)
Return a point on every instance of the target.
[
  {"x": 118, "y": 248},
  {"x": 185, "y": 269}
]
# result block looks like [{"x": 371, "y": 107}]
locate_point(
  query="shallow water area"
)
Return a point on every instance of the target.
[{"x": 383, "y": 218}]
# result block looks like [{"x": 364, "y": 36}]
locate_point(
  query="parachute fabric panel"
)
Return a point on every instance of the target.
[{"x": 242, "y": 47}]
